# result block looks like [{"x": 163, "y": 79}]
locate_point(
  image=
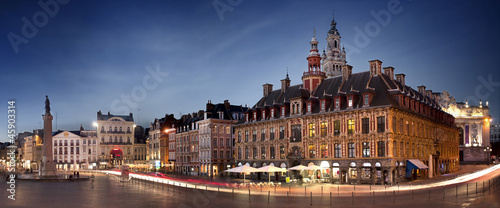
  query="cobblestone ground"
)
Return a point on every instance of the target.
[{"x": 108, "y": 191}]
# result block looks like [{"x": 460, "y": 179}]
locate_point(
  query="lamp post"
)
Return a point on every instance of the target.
[{"x": 487, "y": 151}]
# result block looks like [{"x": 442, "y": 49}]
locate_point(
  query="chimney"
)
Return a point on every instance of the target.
[
  {"x": 375, "y": 67},
  {"x": 346, "y": 71},
  {"x": 401, "y": 78},
  {"x": 210, "y": 106},
  {"x": 285, "y": 83},
  {"x": 389, "y": 71},
  {"x": 226, "y": 104},
  {"x": 267, "y": 89},
  {"x": 428, "y": 93},
  {"x": 421, "y": 89},
  {"x": 435, "y": 96}
]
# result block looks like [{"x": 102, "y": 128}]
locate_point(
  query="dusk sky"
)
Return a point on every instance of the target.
[{"x": 88, "y": 55}]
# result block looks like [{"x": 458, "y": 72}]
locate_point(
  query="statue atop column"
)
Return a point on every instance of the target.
[{"x": 47, "y": 104}]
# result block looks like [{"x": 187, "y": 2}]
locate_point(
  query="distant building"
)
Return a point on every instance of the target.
[
  {"x": 187, "y": 145},
  {"x": 116, "y": 136},
  {"x": 216, "y": 140},
  {"x": 473, "y": 122},
  {"x": 158, "y": 141},
  {"x": 495, "y": 133}
]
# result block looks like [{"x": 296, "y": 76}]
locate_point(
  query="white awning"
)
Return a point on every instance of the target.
[{"x": 419, "y": 164}]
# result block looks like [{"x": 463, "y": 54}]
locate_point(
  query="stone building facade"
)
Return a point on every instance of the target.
[
  {"x": 474, "y": 123},
  {"x": 116, "y": 136},
  {"x": 360, "y": 128}
]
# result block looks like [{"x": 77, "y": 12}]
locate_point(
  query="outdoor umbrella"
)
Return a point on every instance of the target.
[
  {"x": 298, "y": 167},
  {"x": 243, "y": 169},
  {"x": 312, "y": 167},
  {"x": 271, "y": 168}
]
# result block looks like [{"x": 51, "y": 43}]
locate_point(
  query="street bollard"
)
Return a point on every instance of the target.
[
  {"x": 444, "y": 192},
  {"x": 321, "y": 190},
  {"x": 429, "y": 193},
  {"x": 483, "y": 187},
  {"x": 287, "y": 197},
  {"x": 330, "y": 198},
  {"x": 370, "y": 187},
  {"x": 352, "y": 201},
  {"x": 373, "y": 197},
  {"x": 394, "y": 196},
  {"x": 268, "y": 195},
  {"x": 289, "y": 189},
  {"x": 489, "y": 187},
  {"x": 311, "y": 198},
  {"x": 354, "y": 188}
]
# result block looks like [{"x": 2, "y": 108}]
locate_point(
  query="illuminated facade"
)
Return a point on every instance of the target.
[
  {"x": 115, "y": 135},
  {"x": 75, "y": 150},
  {"x": 360, "y": 128},
  {"x": 473, "y": 122}
]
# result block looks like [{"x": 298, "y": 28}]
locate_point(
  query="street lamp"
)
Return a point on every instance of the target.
[{"x": 488, "y": 150}]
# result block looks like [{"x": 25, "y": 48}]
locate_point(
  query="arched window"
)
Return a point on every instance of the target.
[
  {"x": 116, "y": 139},
  {"x": 120, "y": 129},
  {"x": 116, "y": 129},
  {"x": 102, "y": 128},
  {"x": 121, "y": 140},
  {"x": 110, "y": 129},
  {"x": 335, "y": 44}
]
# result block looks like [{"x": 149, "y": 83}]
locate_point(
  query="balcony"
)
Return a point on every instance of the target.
[
  {"x": 308, "y": 73},
  {"x": 116, "y": 132},
  {"x": 116, "y": 143}
]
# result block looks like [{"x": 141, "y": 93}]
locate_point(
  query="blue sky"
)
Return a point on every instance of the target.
[{"x": 90, "y": 54}]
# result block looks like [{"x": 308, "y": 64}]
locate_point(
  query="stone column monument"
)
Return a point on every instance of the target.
[{"x": 48, "y": 164}]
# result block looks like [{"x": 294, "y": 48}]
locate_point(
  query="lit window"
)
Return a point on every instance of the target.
[
  {"x": 349, "y": 101},
  {"x": 312, "y": 130},
  {"x": 337, "y": 103},
  {"x": 350, "y": 126}
]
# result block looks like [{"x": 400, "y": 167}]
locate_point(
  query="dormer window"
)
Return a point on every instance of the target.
[
  {"x": 254, "y": 116},
  {"x": 246, "y": 117},
  {"x": 309, "y": 107},
  {"x": 221, "y": 115},
  {"x": 263, "y": 114},
  {"x": 349, "y": 101},
  {"x": 366, "y": 100},
  {"x": 272, "y": 113},
  {"x": 337, "y": 103},
  {"x": 322, "y": 105},
  {"x": 283, "y": 111}
]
